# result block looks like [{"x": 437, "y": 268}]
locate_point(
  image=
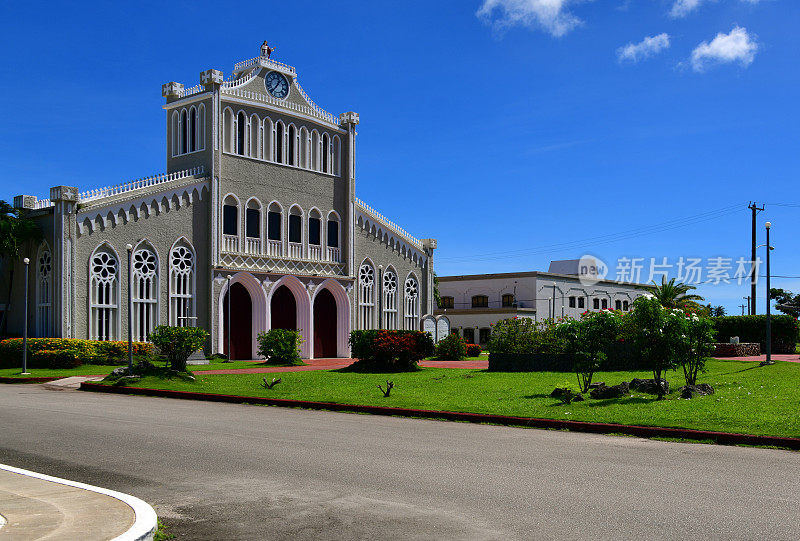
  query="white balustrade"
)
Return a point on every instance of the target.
[
  {"x": 275, "y": 248},
  {"x": 315, "y": 252},
  {"x": 230, "y": 243},
  {"x": 91, "y": 195},
  {"x": 295, "y": 250},
  {"x": 388, "y": 223},
  {"x": 191, "y": 91},
  {"x": 312, "y": 110},
  {"x": 264, "y": 62},
  {"x": 252, "y": 246},
  {"x": 334, "y": 254}
]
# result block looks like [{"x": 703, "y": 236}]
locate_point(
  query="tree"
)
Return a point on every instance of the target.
[
  {"x": 657, "y": 336},
  {"x": 714, "y": 311},
  {"x": 787, "y": 302},
  {"x": 589, "y": 341},
  {"x": 16, "y": 229},
  {"x": 671, "y": 294},
  {"x": 695, "y": 346},
  {"x": 178, "y": 343},
  {"x": 436, "y": 297}
]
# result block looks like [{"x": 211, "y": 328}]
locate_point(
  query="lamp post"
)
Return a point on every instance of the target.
[
  {"x": 769, "y": 301},
  {"x": 129, "y": 247},
  {"x": 229, "y": 316},
  {"x": 25, "y": 321}
]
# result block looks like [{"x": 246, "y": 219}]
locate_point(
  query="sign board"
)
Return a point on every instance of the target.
[{"x": 442, "y": 328}]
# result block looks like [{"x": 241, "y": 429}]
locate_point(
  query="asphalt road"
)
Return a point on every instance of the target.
[{"x": 224, "y": 471}]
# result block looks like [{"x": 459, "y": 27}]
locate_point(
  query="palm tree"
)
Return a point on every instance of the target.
[
  {"x": 671, "y": 294},
  {"x": 16, "y": 229}
]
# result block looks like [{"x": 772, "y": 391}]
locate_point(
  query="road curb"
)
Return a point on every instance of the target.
[
  {"x": 43, "y": 379},
  {"x": 725, "y": 438},
  {"x": 144, "y": 525}
]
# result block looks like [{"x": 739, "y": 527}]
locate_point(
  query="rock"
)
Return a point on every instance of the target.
[
  {"x": 578, "y": 398},
  {"x": 597, "y": 384},
  {"x": 558, "y": 392},
  {"x": 690, "y": 391},
  {"x": 119, "y": 372},
  {"x": 648, "y": 385},
  {"x": 615, "y": 391}
]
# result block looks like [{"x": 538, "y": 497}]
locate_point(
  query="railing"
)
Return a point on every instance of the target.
[
  {"x": 196, "y": 89},
  {"x": 314, "y": 251},
  {"x": 230, "y": 243},
  {"x": 264, "y": 62},
  {"x": 234, "y": 82},
  {"x": 43, "y": 204},
  {"x": 91, "y": 195},
  {"x": 252, "y": 246},
  {"x": 305, "y": 109},
  {"x": 295, "y": 250},
  {"x": 319, "y": 110},
  {"x": 275, "y": 248},
  {"x": 334, "y": 254},
  {"x": 388, "y": 223}
]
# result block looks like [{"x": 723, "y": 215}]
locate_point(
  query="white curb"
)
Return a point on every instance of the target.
[{"x": 145, "y": 524}]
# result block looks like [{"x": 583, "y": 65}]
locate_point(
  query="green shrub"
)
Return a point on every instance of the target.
[
  {"x": 280, "y": 347},
  {"x": 784, "y": 329},
  {"x": 524, "y": 335},
  {"x": 88, "y": 351},
  {"x": 589, "y": 340},
  {"x": 54, "y": 359},
  {"x": 178, "y": 343},
  {"x": 473, "y": 350},
  {"x": 452, "y": 348},
  {"x": 386, "y": 350}
]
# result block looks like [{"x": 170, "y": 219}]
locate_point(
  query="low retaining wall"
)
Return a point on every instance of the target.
[{"x": 744, "y": 349}]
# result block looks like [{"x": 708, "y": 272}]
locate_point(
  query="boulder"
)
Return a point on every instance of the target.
[
  {"x": 119, "y": 372},
  {"x": 578, "y": 398},
  {"x": 648, "y": 386},
  {"x": 597, "y": 384},
  {"x": 615, "y": 391},
  {"x": 558, "y": 392},
  {"x": 701, "y": 389}
]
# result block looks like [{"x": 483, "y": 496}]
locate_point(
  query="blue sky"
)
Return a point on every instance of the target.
[{"x": 513, "y": 131}]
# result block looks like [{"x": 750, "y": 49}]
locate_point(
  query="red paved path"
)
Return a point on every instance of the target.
[{"x": 330, "y": 364}]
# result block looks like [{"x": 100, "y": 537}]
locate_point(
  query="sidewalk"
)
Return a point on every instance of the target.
[{"x": 37, "y": 506}]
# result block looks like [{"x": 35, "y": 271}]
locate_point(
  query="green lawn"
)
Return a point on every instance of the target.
[
  {"x": 749, "y": 399},
  {"x": 84, "y": 370}
]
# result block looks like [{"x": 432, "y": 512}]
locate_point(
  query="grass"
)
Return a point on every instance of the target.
[
  {"x": 84, "y": 370},
  {"x": 749, "y": 399}
]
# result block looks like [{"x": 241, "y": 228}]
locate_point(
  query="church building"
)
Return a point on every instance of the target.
[{"x": 254, "y": 226}]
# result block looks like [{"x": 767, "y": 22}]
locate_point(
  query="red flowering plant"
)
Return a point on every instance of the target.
[{"x": 388, "y": 350}]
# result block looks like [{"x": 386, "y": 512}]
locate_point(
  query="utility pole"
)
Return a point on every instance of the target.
[
  {"x": 748, "y": 303},
  {"x": 743, "y": 306},
  {"x": 754, "y": 275}
]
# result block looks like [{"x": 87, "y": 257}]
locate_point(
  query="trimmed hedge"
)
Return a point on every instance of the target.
[
  {"x": 387, "y": 350},
  {"x": 451, "y": 348},
  {"x": 88, "y": 351},
  {"x": 785, "y": 330},
  {"x": 47, "y": 358},
  {"x": 621, "y": 357}
]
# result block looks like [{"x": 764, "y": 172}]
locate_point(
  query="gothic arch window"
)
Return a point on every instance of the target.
[
  {"x": 278, "y": 153},
  {"x": 175, "y": 136},
  {"x": 315, "y": 227},
  {"x": 295, "y": 232},
  {"x": 411, "y": 296},
  {"x": 44, "y": 281},
  {"x": 230, "y": 216},
  {"x": 184, "y": 133},
  {"x": 252, "y": 227},
  {"x": 192, "y": 129},
  {"x": 303, "y": 159},
  {"x": 314, "y": 150},
  {"x": 333, "y": 238},
  {"x": 228, "y": 130},
  {"x": 201, "y": 127},
  {"x": 390, "y": 299},
  {"x": 325, "y": 153},
  {"x": 337, "y": 156},
  {"x": 292, "y": 146},
  {"x": 266, "y": 144},
  {"x": 254, "y": 129},
  {"x": 366, "y": 295},
  {"x": 104, "y": 294},
  {"x": 274, "y": 237},
  {"x": 145, "y": 292},
  {"x": 182, "y": 285},
  {"x": 241, "y": 130}
]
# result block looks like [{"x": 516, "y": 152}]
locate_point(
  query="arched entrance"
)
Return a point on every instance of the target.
[
  {"x": 283, "y": 309},
  {"x": 324, "y": 325},
  {"x": 241, "y": 323}
]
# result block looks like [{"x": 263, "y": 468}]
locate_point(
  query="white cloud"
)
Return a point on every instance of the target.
[
  {"x": 649, "y": 46},
  {"x": 551, "y": 15},
  {"x": 681, "y": 8},
  {"x": 737, "y": 46}
]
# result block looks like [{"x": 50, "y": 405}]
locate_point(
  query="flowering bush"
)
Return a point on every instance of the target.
[
  {"x": 526, "y": 336},
  {"x": 473, "y": 350},
  {"x": 451, "y": 348},
  {"x": 589, "y": 341},
  {"x": 88, "y": 351},
  {"x": 64, "y": 358},
  {"x": 390, "y": 350}
]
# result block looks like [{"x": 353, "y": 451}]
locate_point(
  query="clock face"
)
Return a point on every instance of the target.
[{"x": 277, "y": 85}]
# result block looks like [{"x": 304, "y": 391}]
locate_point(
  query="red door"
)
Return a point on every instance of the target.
[
  {"x": 324, "y": 325},
  {"x": 241, "y": 322},
  {"x": 283, "y": 309}
]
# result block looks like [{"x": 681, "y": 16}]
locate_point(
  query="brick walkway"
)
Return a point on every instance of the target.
[
  {"x": 332, "y": 364},
  {"x": 791, "y": 357}
]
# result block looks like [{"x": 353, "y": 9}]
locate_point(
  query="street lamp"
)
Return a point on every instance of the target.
[
  {"x": 769, "y": 317},
  {"x": 229, "y": 317},
  {"x": 129, "y": 247},
  {"x": 25, "y": 321}
]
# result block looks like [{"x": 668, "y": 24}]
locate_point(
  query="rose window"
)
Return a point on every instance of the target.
[
  {"x": 144, "y": 263},
  {"x": 182, "y": 260},
  {"x": 411, "y": 288},
  {"x": 44, "y": 264},
  {"x": 104, "y": 266},
  {"x": 366, "y": 275}
]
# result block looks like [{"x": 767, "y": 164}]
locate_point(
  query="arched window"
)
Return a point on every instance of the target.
[
  {"x": 314, "y": 234},
  {"x": 315, "y": 150},
  {"x": 625, "y": 305},
  {"x": 228, "y": 131},
  {"x": 266, "y": 134},
  {"x": 181, "y": 286},
  {"x": 278, "y": 154},
  {"x": 241, "y": 130},
  {"x": 184, "y": 133},
  {"x": 192, "y": 129},
  {"x": 145, "y": 292},
  {"x": 303, "y": 161},
  {"x": 366, "y": 296},
  {"x": 175, "y": 133},
  {"x": 44, "y": 274},
  {"x": 337, "y": 156},
  {"x": 201, "y": 127},
  {"x": 480, "y": 301},
  {"x": 254, "y": 129},
  {"x": 252, "y": 227},
  {"x": 389, "y": 299},
  {"x": 274, "y": 238},
  {"x": 617, "y": 305},
  {"x": 325, "y": 153},
  {"x": 296, "y": 232},
  {"x": 104, "y": 295},
  {"x": 230, "y": 224},
  {"x": 411, "y": 291},
  {"x": 290, "y": 150},
  {"x": 334, "y": 252}
]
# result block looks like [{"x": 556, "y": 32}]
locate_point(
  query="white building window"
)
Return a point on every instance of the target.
[
  {"x": 181, "y": 286},
  {"x": 389, "y": 299},
  {"x": 145, "y": 293},
  {"x": 104, "y": 296},
  {"x": 411, "y": 304},
  {"x": 44, "y": 273},
  {"x": 366, "y": 296}
]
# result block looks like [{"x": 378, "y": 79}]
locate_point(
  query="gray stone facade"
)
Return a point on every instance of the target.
[{"x": 235, "y": 153}]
